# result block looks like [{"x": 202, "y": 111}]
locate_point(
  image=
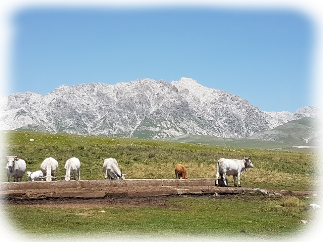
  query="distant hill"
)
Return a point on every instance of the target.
[
  {"x": 294, "y": 134},
  {"x": 302, "y": 132}
]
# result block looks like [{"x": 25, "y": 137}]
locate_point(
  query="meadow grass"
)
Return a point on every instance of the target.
[
  {"x": 257, "y": 217},
  {"x": 152, "y": 159}
]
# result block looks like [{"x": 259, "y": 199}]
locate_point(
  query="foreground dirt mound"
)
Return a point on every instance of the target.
[{"x": 132, "y": 188}]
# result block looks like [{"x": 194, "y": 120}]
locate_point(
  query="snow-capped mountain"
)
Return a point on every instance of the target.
[{"x": 143, "y": 108}]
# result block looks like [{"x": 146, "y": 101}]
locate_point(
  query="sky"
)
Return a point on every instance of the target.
[{"x": 262, "y": 55}]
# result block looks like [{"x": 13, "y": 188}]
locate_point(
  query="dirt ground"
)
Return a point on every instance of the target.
[
  {"x": 156, "y": 201},
  {"x": 76, "y": 203},
  {"x": 91, "y": 194}
]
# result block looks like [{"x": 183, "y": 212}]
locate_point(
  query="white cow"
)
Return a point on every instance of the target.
[
  {"x": 111, "y": 169},
  {"x": 35, "y": 176},
  {"x": 49, "y": 168},
  {"x": 231, "y": 167},
  {"x": 73, "y": 166},
  {"x": 15, "y": 167}
]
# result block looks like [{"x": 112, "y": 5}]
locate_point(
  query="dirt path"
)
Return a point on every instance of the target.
[{"x": 136, "y": 192}]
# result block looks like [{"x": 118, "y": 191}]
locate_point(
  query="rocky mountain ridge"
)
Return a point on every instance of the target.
[{"x": 143, "y": 108}]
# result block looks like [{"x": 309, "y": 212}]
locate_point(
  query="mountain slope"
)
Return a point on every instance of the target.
[
  {"x": 144, "y": 108},
  {"x": 296, "y": 132}
]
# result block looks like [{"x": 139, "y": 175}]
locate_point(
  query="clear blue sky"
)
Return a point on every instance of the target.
[{"x": 263, "y": 56}]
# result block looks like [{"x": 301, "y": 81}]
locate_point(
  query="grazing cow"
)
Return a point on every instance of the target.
[
  {"x": 35, "y": 176},
  {"x": 15, "y": 167},
  {"x": 231, "y": 167},
  {"x": 49, "y": 168},
  {"x": 111, "y": 169},
  {"x": 73, "y": 167},
  {"x": 180, "y": 171}
]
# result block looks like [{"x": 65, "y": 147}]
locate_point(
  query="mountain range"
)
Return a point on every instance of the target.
[{"x": 143, "y": 108}]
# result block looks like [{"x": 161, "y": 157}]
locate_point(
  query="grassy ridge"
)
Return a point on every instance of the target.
[{"x": 156, "y": 159}]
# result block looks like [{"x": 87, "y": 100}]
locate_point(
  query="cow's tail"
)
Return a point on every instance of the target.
[{"x": 48, "y": 172}]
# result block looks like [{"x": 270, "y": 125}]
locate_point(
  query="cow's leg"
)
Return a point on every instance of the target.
[
  {"x": 217, "y": 176},
  {"x": 234, "y": 180},
  {"x": 80, "y": 174},
  {"x": 110, "y": 174},
  {"x": 115, "y": 176},
  {"x": 239, "y": 179},
  {"x": 224, "y": 179}
]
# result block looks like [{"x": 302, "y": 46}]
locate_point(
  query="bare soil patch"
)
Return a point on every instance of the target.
[
  {"x": 93, "y": 202},
  {"x": 141, "y": 192}
]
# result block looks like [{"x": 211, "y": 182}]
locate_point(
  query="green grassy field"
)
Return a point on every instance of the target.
[
  {"x": 256, "y": 217},
  {"x": 156, "y": 159},
  {"x": 245, "y": 215}
]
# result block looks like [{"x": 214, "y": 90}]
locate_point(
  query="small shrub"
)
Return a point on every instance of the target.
[
  {"x": 291, "y": 206},
  {"x": 291, "y": 202}
]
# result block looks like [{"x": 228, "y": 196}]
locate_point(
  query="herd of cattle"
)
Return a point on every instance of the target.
[{"x": 16, "y": 168}]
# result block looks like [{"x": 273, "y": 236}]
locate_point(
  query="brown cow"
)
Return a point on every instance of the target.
[{"x": 180, "y": 171}]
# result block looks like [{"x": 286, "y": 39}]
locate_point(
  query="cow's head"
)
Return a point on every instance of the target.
[
  {"x": 29, "y": 175},
  {"x": 123, "y": 176},
  {"x": 248, "y": 163},
  {"x": 11, "y": 162},
  {"x": 67, "y": 177}
]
